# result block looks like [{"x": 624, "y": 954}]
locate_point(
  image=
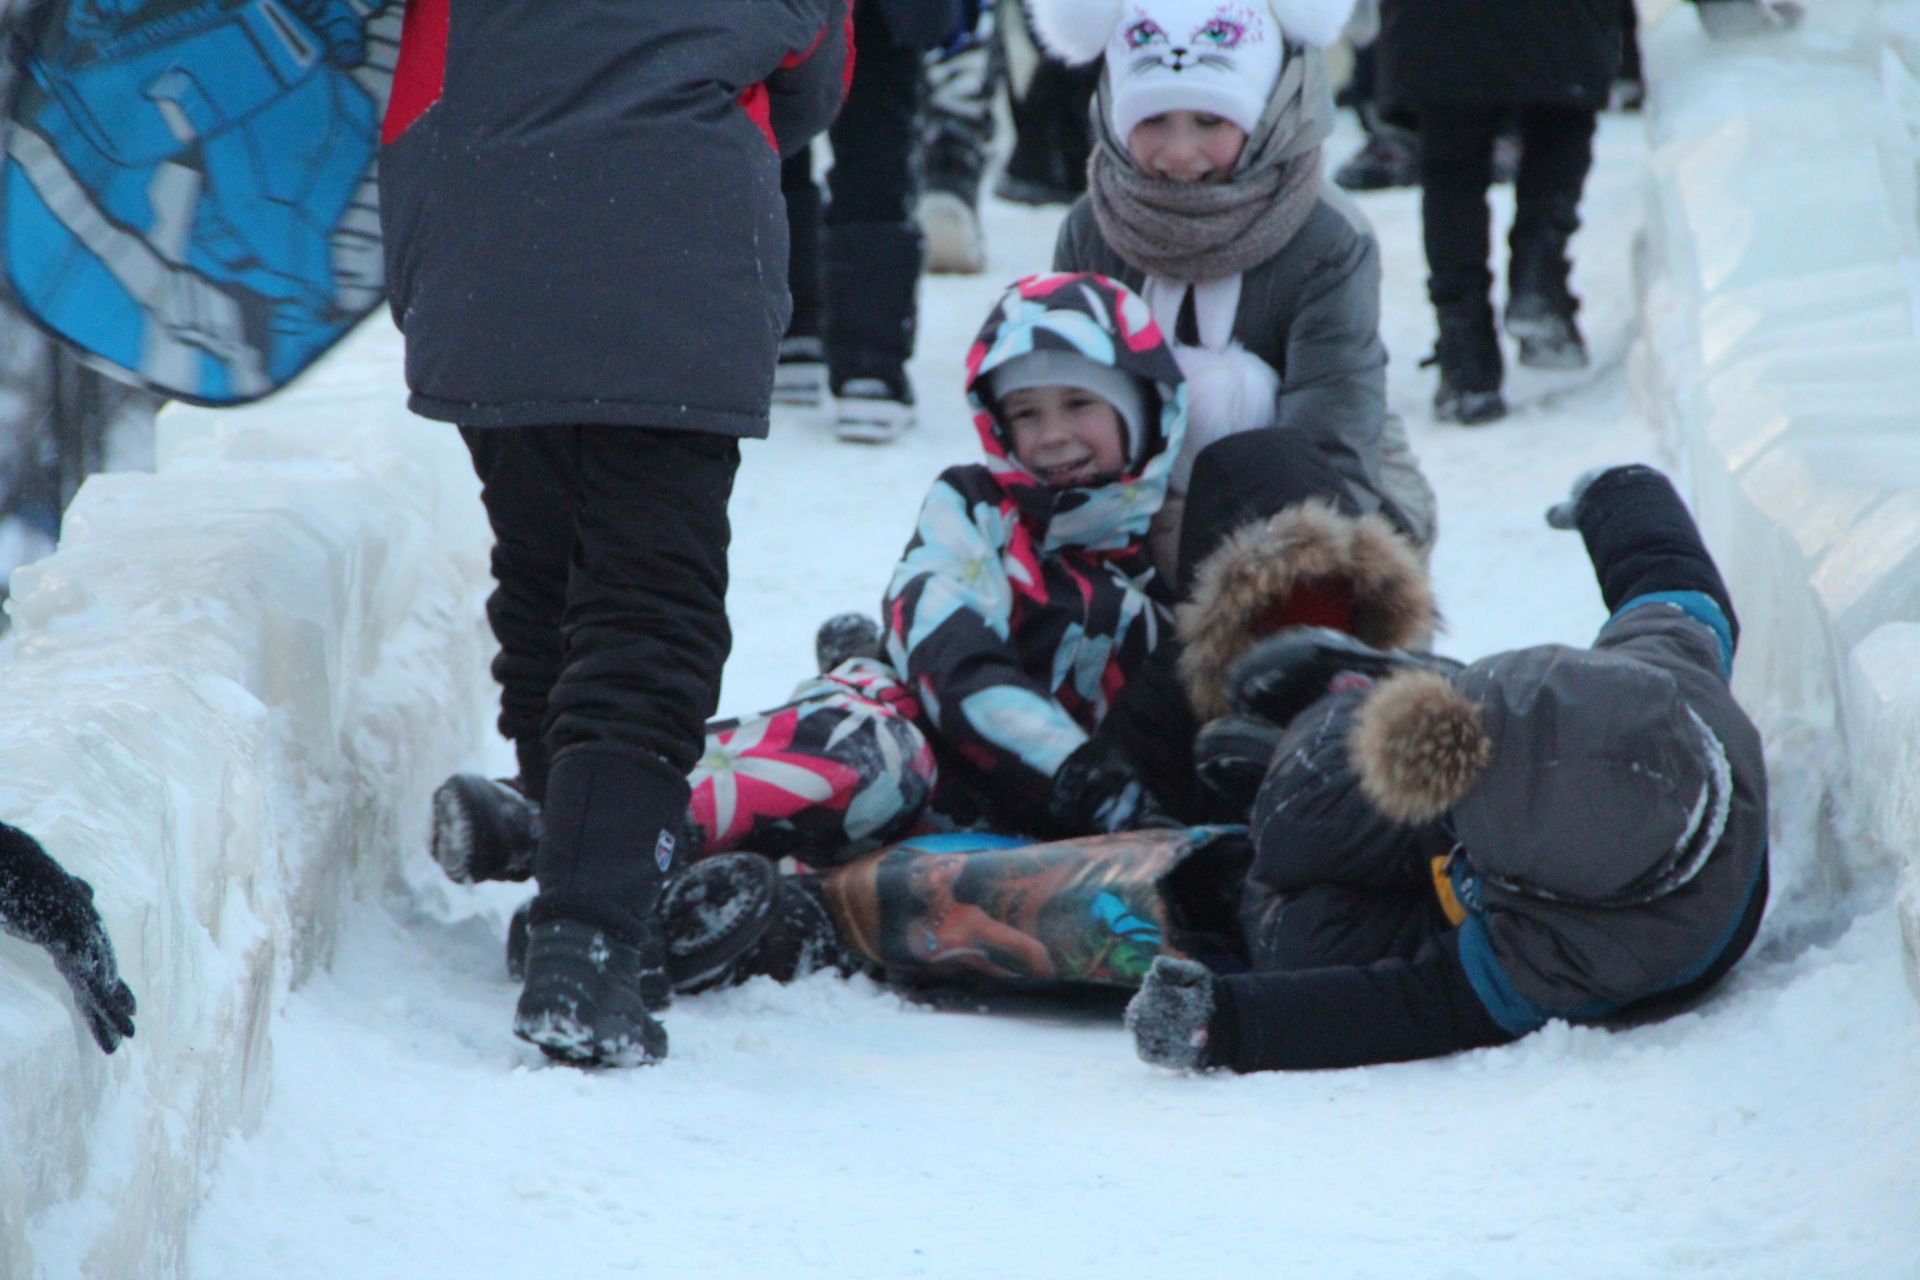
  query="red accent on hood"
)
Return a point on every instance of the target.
[{"x": 421, "y": 73}]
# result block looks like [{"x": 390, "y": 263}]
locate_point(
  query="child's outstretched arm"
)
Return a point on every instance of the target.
[
  {"x": 1314, "y": 1019},
  {"x": 1645, "y": 547}
]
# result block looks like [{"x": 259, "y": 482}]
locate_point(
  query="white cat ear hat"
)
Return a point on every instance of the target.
[{"x": 1221, "y": 57}]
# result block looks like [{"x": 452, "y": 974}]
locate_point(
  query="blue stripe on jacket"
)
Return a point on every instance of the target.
[{"x": 1699, "y": 606}]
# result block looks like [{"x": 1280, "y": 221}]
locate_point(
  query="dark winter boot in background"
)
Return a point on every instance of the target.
[
  {"x": 595, "y": 955},
  {"x": 1468, "y": 353},
  {"x": 1540, "y": 307},
  {"x": 845, "y": 636},
  {"x": 1391, "y": 157},
  {"x": 872, "y": 273},
  {"x": 957, "y": 129},
  {"x": 484, "y": 829},
  {"x": 800, "y": 378},
  {"x": 1048, "y": 102}
]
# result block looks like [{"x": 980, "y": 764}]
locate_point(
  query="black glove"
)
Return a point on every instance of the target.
[
  {"x": 1565, "y": 514},
  {"x": 42, "y": 904},
  {"x": 1097, "y": 791},
  {"x": 1171, "y": 1016},
  {"x": 1748, "y": 17}
]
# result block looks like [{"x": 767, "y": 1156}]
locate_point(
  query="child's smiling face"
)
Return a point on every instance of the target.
[
  {"x": 1186, "y": 146},
  {"x": 1068, "y": 437}
]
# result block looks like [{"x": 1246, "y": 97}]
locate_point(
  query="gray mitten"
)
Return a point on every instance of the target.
[{"x": 1169, "y": 1017}]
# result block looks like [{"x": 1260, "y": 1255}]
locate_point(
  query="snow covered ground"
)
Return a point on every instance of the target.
[{"x": 835, "y": 1129}]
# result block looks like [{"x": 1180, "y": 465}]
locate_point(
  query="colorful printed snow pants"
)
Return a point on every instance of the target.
[{"x": 835, "y": 771}]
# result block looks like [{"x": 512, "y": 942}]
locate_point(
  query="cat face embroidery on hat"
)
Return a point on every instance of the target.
[{"x": 1218, "y": 59}]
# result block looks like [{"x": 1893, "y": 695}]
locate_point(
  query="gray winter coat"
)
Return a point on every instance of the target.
[
  {"x": 1312, "y": 311},
  {"x": 581, "y": 205},
  {"x": 1588, "y": 897}
]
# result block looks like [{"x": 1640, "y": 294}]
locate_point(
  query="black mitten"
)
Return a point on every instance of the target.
[
  {"x": 42, "y": 904},
  {"x": 1097, "y": 791},
  {"x": 1171, "y": 1018}
]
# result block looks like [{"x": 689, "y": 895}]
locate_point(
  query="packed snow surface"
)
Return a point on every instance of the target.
[{"x": 836, "y": 1129}]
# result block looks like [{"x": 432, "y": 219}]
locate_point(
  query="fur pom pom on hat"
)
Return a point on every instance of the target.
[
  {"x": 1302, "y": 566},
  {"x": 1417, "y": 745},
  {"x": 1078, "y": 31}
]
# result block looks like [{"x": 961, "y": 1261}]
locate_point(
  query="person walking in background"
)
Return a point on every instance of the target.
[
  {"x": 956, "y": 134},
  {"x": 856, "y": 258},
  {"x": 586, "y": 255},
  {"x": 1047, "y": 98},
  {"x": 1464, "y": 67}
]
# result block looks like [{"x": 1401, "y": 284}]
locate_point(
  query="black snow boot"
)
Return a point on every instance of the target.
[
  {"x": 484, "y": 828},
  {"x": 801, "y": 940},
  {"x": 1284, "y": 674},
  {"x": 1540, "y": 308},
  {"x": 714, "y": 913},
  {"x": 1468, "y": 353},
  {"x": 1391, "y": 157},
  {"x": 845, "y": 636},
  {"x": 595, "y": 960}
]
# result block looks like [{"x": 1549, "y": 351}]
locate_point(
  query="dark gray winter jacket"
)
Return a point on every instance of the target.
[
  {"x": 581, "y": 204},
  {"x": 1580, "y": 905},
  {"x": 1312, "y": 312},
  {"x": 1473, "y": 52}
]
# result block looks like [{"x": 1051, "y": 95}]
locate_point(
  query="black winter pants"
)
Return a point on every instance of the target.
[
  {"x": 1456, "y": 168},
  {"x": 610, "y": 565},
  {"x": 855, "y": 261}
]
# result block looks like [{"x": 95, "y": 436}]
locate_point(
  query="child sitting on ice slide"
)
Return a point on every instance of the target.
[{"x": 1448, "y": 859}]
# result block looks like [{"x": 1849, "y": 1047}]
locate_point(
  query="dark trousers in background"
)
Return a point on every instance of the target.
[
  {"x": 610, "y": 565},
  {"x": 855, "y": 260},
  {"x": 1456, "y": 169}
]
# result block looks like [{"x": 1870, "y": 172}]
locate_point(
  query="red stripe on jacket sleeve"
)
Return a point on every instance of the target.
[{"x": 421, "y": 74}]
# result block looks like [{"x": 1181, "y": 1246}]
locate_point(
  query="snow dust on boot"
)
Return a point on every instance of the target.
[
  {"x": 1471, "y": 370},
  {"x": 714, "y": 913},
  {"x": 1093, "y": 910},
  {"x": 957, "y": 131},
  {"x": 484, "y": 829},
  {"x": 872, "y": 273},
  {"x": 1540, "y": 307},
  {"x": 800, "y": 373},
  {"x": 595, "y": 960},
  {"x": 844, "y": 636},
  {"x": 1307, "y": 565}
]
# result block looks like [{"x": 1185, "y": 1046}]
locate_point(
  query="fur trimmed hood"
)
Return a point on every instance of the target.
[
  {"x": 1417, "y": 745},
  {"x": 1290, "y": 569}
]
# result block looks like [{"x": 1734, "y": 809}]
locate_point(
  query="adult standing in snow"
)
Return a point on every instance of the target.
[
  {"x": 1465, "y": 67},
  {"x": 586, "y": 251}
]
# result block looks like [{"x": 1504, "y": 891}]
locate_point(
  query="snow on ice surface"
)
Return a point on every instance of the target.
[{"x": 833, "y": 1129}]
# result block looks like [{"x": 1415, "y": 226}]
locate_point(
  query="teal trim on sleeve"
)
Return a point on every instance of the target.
[
  {"x": 1699, "y": 606},
  {"x": 1516, "y": 1014}
]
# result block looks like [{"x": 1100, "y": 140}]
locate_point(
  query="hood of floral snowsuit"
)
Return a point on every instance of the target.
[{"x": 1105, "y": 321}]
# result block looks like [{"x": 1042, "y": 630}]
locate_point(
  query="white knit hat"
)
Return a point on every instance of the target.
[{"x": 1221, "y": 57}]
